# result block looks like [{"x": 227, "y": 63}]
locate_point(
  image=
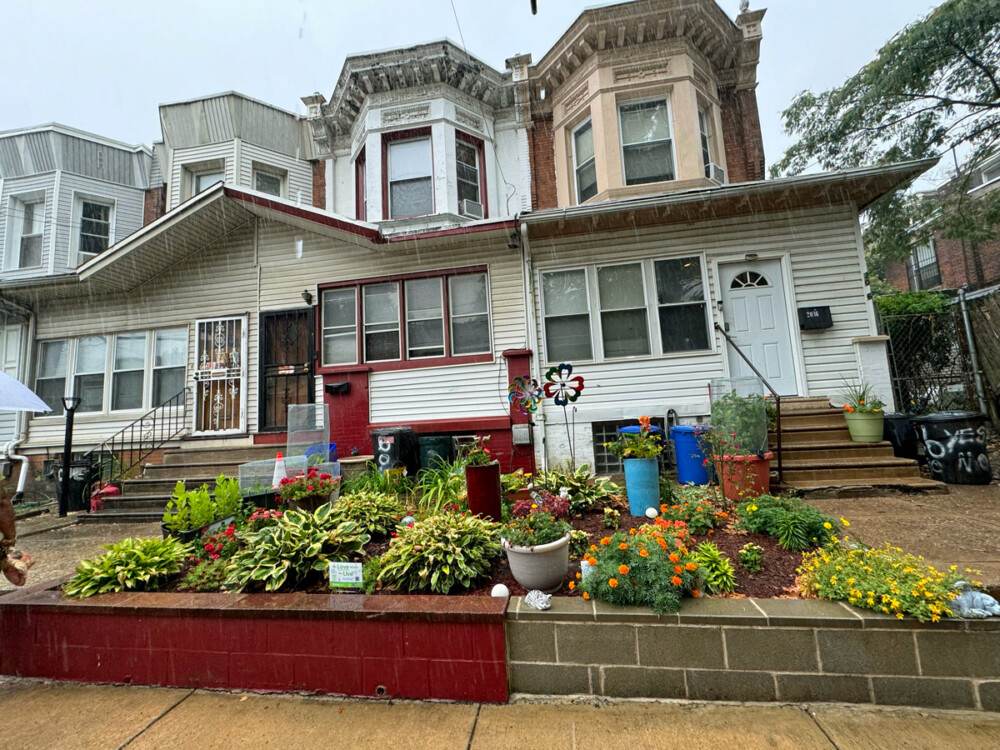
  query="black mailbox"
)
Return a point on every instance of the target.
[
  {"x": 815, "y": 318},
  {"x": 336, "y": 389}
]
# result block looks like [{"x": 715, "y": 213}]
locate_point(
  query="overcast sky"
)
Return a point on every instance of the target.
[{"x": 105, "y": 65}]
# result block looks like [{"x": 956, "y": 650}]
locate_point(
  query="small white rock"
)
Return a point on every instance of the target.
[
  {"x": 500, "y": 590},
  {"x": 651, "y": 513}
]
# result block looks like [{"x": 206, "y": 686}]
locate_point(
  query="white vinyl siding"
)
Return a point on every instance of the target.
[
  {"x": 126, "y": 215},
  {"x": 296, "y": 173},
  {"x": 187, "y": 161},
  {"x": 17, "y": 191}
]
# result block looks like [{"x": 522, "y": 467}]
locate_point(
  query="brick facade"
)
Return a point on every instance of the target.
[
  {"x": 543, "y": 163},
  {"x": 319, "y": 184},
  {"x": 154, "y": 204},
  {"x": 741, "y": 135},
  {"x": 968, "y": 264}
]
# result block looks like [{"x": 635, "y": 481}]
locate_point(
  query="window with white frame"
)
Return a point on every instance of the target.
[
  {"x": 32, "y": 225},
  {"x": 50, "y": 384},
  {"x": 647, "y": 144},
  {"x": 583, "y": 162},
  {"x": 624, "y": 323},
  {"x": 681, "y": 306},
  {"x": 418, "y": 311},
  {"x": 467, "y": 170},
  {"x": 411, "y": 189},
  {"x": 566, "y": 309},
  {"x": 204, "y": 180},
  {"x": 628, "y": 298},
  {"x": 128, "y": 371},
  {"x": 706, "y": 141},
  {"x": 95, "y": 228},
  {"x": 925, "y": 273},
  {"x": 268, "y": 180}
]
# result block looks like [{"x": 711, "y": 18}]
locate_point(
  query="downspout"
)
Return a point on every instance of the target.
[
  {"x": 22, "y": 417},
  {"x": 529, "y": 309},
  {"x": 973, "y": 353}
]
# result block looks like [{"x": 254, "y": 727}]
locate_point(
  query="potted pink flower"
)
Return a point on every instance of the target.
[{"x": 308, "y": 491}]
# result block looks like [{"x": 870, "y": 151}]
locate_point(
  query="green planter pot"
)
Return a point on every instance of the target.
[{"x": 865, "y": 427}]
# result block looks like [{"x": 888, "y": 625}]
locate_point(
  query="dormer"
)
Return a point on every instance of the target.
[
  {"x": 418, "y": 137},
  {"x": 648, "y": 98}
]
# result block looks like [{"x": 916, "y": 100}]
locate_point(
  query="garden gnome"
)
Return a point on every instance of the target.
[{"x": 13, "y": 563}]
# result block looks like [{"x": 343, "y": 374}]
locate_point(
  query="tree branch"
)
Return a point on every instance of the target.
[{"x": 978, "y": 64}]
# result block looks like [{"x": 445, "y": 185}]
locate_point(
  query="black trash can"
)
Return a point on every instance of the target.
[
  {"x": 395, "y": 447},
  {"x": 954, "y": 444},
  {"x": 79, "y": 482},
  {"x": 898, "y": 430}
]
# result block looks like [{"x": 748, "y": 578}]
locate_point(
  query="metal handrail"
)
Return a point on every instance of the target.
[
  {"x": 777, "y": 397},
  {"x": 119, "y": 454}
]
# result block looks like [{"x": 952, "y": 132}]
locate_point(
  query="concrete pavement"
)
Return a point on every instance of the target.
[{"x": 70, "y": 716}]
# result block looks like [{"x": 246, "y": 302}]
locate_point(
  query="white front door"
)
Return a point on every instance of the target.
[
  {"x": 220, "y": 376},
  {"x": 753, "y": 307}
]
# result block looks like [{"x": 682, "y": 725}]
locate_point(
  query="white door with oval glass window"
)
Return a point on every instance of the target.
[{"x": 756, "y": 318}]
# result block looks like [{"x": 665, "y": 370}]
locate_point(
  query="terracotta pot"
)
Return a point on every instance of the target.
[
  {"x": 743, "y": 477},
  {"x": 542, "y": 567},
  {"x": 518, "y": 495},
  {"x": 483, "y": 487},
  {"x": 865, "y": 427}
]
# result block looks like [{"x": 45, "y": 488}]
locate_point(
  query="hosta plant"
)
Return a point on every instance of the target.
[
  {"x": 375, "y": 512},
  {"x": 585, "y": 490},
  {"x": 794, "y": 523},
  {"x": 294, "y": 549},
  {"x": 442, "y": 552},
  {"x": 130, "y": 565},
  {"x": 720, "y": 578},
  {"x": 752, "y": 557}
]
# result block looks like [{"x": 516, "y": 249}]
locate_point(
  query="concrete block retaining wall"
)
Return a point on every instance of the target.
[{"x": 753, "y": 650}]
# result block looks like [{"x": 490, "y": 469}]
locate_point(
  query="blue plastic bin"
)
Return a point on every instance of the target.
[
  {"x": 633, "y": 429},
  {"x": 691, "y": 467}
]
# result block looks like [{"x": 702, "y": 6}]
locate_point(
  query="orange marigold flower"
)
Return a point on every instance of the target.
[
  {"x": 678, "y": 569},
  {"x": 677, "y": 580},
  {"x": 690, "y": 566},
  {"x": 578, "y": 576},
  {"x": 631, "y": 532},
  {"x": 711, "y": 531},
  {"x": 684, "y": 550},
  {"x": 663, "y": 508},
  {"x": 675, "y": 507},
  {"x": 593, "y": 548},
  {"x": 662, "y": 542},
  {"x": 696, "y": 594},
  {"x": 674, "y": 557},
  {"x": 623, "y": 546},
  {"x": 572, "y": 585},
  {"x": 643, "y": 552},
  {"x": 605, "y": 540},
  {"x": 586, "y": 595},
  {"x": 613, "y": 582},
  {"x": 623, "y": 570}
]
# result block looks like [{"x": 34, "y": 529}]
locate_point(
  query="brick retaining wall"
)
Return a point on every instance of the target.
[{"x": 753, "y": 650}]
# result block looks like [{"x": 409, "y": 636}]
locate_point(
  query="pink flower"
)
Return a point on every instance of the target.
[
  {"x": 310, "y": 488},
  {"x": 326, "y": 476}
]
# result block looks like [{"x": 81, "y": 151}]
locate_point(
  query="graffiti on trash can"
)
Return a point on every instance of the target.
[{"x": 960, "y": 458}]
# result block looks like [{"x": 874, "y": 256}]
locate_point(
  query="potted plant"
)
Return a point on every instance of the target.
[
  {"x": 515, "y": 486},
  {"x": 864, "y": 412},
  {"x": 639, "y": 451},
  {"x": 308, "y": 491},
  {"x": 191, "y": 514},
  {"x": 482, "y": 480},
  {"x": 537, "y": 542},
  {"x": 737, "y": 440}
]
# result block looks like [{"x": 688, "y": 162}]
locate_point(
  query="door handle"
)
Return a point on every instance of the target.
[{"x": 725, "y": 327}]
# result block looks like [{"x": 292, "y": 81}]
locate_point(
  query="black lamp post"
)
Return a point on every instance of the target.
[{"x": 70, "y": 404}]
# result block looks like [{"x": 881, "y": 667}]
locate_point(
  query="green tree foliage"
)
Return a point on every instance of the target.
[{"x": 933, "y": 87}]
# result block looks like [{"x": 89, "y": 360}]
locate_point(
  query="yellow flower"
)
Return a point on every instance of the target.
[
  {"x": 586, "y": 595},
  {"x": 827, "y": 525},
  {"x": 845, "y": 521}
]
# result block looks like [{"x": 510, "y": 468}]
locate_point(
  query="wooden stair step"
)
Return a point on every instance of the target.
[
  {"x": 915, "y": 484},
  {"x": 847, "y": 463}
]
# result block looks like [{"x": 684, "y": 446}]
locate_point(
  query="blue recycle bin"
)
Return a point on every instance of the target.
[{"x": 691, "y": 467}]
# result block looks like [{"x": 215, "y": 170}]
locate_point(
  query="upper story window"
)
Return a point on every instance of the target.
[
  {"x": 360, "y": 187},
  {"x": 925, "y": 273},
  {"x": 267, "y": 180},
  {"x": 404, "y": 320},
  {"x": 470, "y": 175},
  {"x": 706, "y": 142},
  {"x": 409, "y": 176},
  {"x": 583, "y": 162},
  {"x": 32, "y": 226},
  {"x": 95, "y": 228},
  {"x": 204, "y": 180},
  {"x": 647, "y": 144}
]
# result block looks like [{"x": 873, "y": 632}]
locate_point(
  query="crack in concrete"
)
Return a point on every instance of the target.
[{"x": 135, "y": 736}]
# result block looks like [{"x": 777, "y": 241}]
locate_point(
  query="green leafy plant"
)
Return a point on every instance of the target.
[
  {"x": 612, "y": 518},
  {"x": 228, "y": 498},
  {"x": 752, "y": 557},
  {"x": 586, "y": 491},
  {"x": 720, "y": 578},
  {"x": 539, "y": 527},
  {"x": 188, "y": 510},
  {"x": 440, "y": 553},
  {"x": 642, "y": 444},
  {"x": 579, "y": 542},
  {"x": 374, "y": 512},
  {"x": 373, "y": 480},
  {"x": 698, "y": 507},
  {"x": 298, "y": 546},
  {"x": 861, "y": 398},
  {"x": 794, "y": 523},
  {"x": 207, "y": 575},
  {"x": 652, "y": 568},
  {"x": 440, "y": 485},
  {"x": 132, "y": 564},
  {"x": 739, "y": 424},
  {"x": 668, "y": 489},
  {"x": 886, "y": 580},
  {"x": 514, "y": 482},
  {"x": 311, "y": 486},
  {"x": 476, "y": 453}
]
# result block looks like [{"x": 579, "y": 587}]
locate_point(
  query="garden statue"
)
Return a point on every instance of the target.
[
  {"x": 13, "y": 563},
  {"x": 538, "y": 599},
  {"x": 972, "y": 603}
]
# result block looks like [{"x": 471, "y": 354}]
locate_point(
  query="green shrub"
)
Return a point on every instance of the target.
[
  {"x": 885, "y": 580},
  {"x": 441, "y": 486},
  {"x": 188, "y": 510},
  {"x": 752, "y": 557},
  {"x": 794, "y": 523},
  {"x": 372, "y": 480},
  {"x": 586, "y": 491},
  {"x": 374, "y": 512},
  {"x": 228, "y": 498},
  {"x": 720, "y": 578},
  {"x": 612, "y": 518},
  {"x": 130, "y": 565},
  {"x": 207, "y": 575},
  {"x": 297, "y": 546},
  {"x": 440, "y": 553},
  {"x": 668, "y": 489},
  {"x": 579, "y": 542},
  {"x": 652, "y": 568}
]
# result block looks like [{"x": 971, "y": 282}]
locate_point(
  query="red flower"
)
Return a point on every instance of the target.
[
  {"x": 326, "y": 476},
  {"x": 310, "y": 488}
]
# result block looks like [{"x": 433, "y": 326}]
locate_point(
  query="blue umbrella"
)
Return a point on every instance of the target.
[{"x": 16, "y": 396}]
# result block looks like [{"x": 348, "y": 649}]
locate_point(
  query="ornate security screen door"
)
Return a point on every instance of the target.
[{"x": 220, "y": 376}]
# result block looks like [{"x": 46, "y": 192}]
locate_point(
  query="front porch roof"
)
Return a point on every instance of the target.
[{"x": 857, "y": 187}]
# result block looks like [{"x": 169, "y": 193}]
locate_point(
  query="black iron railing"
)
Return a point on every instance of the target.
[
  {"x": 113, "y": 459},
  {"x": 777, "y": 397}
]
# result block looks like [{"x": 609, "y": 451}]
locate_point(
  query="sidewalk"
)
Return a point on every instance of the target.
[{"x": 70, "y": 716}]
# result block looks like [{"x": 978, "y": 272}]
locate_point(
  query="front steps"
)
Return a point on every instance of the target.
[{"x": 818, "y": 455}]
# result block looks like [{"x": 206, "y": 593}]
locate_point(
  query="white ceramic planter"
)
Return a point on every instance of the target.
[{"x": 542, "y": 567}]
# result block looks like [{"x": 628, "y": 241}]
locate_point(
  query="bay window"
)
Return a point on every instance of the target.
[
  {"x": 583, "y": 162},
  {"x": 647, "y": 145},
  {"x": 425, "y": 317},
  {"x": 469, "y": 168},
  {"x": 410, "y": 184}
]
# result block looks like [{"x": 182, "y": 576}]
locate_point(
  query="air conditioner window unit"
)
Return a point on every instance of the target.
[
  {"x": 718, "y": 174},
  {"x": 471, "y": 209}
]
